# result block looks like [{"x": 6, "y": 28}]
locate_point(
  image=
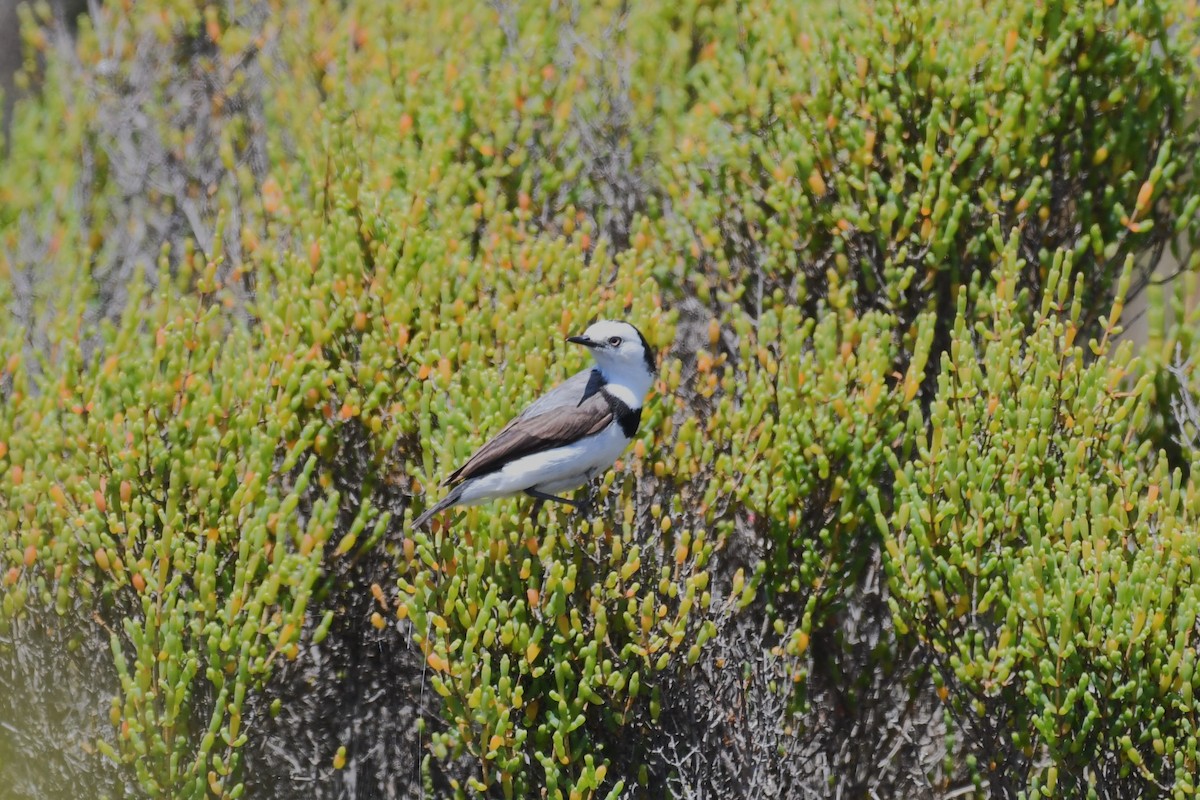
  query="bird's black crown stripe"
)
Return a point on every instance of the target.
[{"x": 628, "y": 418}]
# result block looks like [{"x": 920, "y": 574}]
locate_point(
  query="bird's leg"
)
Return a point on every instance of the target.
[
  {"x": 537, "y": 509},
  {"x": 544, "y": 496},
  {"x": 586, "y": 504}
]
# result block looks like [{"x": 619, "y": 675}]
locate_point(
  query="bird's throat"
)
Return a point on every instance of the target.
[{"x": 630, "y": 389}]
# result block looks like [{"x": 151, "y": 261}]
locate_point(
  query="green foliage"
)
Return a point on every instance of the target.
[
  {"x": 147, "y": 485},
  {"x": 856, "y": 157},
  {"x": 798, "y": 436},
  {"x": 541, "y": 646},
  {"x": 878, "y": 142},
  {"x": 1046, "y": 562},
  {"x": 269, "y": 266}
]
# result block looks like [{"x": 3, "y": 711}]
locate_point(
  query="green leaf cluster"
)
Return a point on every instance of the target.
[
  {"x": 273, "y": 268},
  {"x": 1043, "y": 557}
]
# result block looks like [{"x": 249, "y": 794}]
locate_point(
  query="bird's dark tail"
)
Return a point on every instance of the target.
[{"x": 446, "y": 502}]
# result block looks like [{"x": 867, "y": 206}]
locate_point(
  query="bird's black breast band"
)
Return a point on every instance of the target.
[{"x": 628, "y": 418}]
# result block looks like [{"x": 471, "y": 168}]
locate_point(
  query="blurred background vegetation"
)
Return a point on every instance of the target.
[{"x": 906, "y": 516}]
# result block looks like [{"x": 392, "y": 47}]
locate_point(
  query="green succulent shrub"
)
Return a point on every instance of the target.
[
  {"x": 874, "y": 147},
  {"x": 901, "y": 517},
  {"x": 1043, "y": 556},
  {"x": 877, "y": 144}
]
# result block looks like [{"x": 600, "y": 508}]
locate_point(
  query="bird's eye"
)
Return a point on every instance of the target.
[{"x": 615, "y": 341}]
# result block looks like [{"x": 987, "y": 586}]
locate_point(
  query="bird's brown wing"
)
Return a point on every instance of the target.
[{"x": 552, "y": 427}]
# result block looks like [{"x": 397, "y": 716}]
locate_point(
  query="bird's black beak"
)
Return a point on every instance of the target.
[{"x": 583, "y": 340}]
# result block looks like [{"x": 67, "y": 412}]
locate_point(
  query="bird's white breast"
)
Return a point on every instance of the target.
[{"x": 554, "y": 470}]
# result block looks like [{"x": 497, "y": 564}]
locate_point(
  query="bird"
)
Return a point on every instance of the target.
[{"x": 570, "y": 434}]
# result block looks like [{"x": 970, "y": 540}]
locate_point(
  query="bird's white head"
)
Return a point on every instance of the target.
[{"x": 621, "y": 353}]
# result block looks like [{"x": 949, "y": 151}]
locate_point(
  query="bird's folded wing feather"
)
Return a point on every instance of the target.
[{"x": 568, "y": 412}]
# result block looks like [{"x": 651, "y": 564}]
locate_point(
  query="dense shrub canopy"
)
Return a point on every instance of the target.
[{"x": 902, "y": 516}]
